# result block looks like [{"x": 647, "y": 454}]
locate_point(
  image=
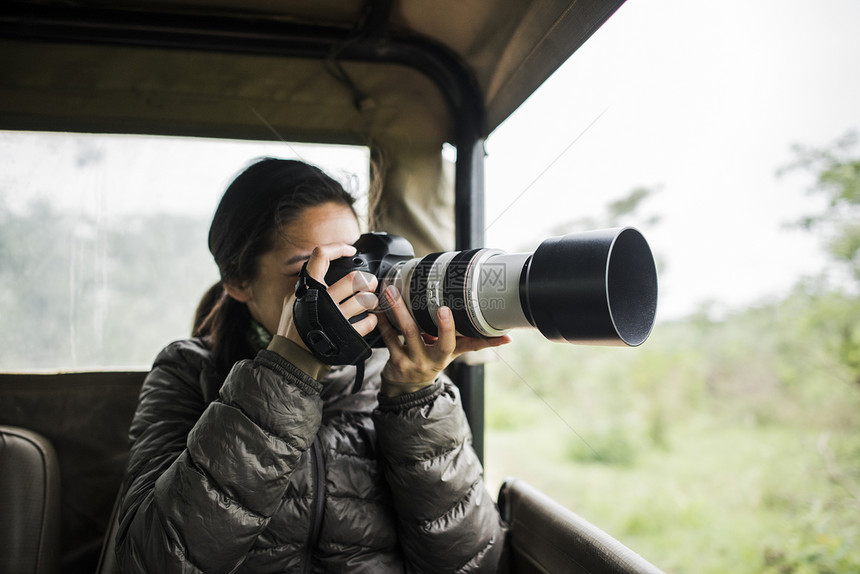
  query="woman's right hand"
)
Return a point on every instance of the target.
[{"x": 354, "y": 293}]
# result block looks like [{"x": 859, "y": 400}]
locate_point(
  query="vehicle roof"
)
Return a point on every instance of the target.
[{"x": 296, "y": 70}]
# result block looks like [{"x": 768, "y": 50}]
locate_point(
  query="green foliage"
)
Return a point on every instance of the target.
[
  {"x": 612, "y": 445},
  {"x": 621, "y": 209},
  {"x": 837, "y": 178},
  {"x": 725, "y": 445},
  {"x": 618, "y": 213}
]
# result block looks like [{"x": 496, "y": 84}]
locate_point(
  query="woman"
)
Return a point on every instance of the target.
[{"x": 248, "y": 454}]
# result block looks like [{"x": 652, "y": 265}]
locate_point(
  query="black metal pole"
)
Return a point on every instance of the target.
[{"x": 469, "y": 233}]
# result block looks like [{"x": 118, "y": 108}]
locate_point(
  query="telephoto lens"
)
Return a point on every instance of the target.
[{"x": 591, "y": 288}]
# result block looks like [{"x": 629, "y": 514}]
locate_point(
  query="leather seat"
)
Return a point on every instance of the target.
[
  {"x": 29, "y": 503},
  {"x": 107, "y": 559}
]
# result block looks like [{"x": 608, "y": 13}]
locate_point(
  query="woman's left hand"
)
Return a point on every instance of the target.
[{"x": 418, "y": 359}]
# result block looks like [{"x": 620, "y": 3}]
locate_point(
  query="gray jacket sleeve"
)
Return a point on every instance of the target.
[
  {"x": 448, "y": 521},
  {"x": 203, "y": 480}
]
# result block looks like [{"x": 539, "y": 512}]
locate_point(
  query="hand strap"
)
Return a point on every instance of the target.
[{"x": 323, "y": 328}]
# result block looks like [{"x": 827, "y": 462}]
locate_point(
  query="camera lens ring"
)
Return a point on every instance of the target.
[
  {"x": 454, "y": 291},
  {"x": 418, "y": 292}
]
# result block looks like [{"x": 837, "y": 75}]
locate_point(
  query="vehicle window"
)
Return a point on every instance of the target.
[{"x": 103, "y": 239}]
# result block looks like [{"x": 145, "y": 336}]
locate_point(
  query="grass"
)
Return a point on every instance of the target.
[{"x": 696, "y": 481}]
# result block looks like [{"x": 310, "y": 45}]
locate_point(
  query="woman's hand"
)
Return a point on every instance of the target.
[
  {"x": 354, "y": 292},
  {"x": 418, "y": 359}
]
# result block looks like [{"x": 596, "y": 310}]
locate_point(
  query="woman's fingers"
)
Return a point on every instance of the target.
[
  {"x": 446, "y": 343},
  {"x": 354, "y": 282},
  {"x": 467, "y": 344},
  {"x": 450, "y": 346},
  {"x": 366, "y": 325},
  {"x": 354, "y": 292},
  {"x": 442, "y": 348},
  {"x": 419, "y": 357},
  {"x": 322, "y": 255},
  {"x": 408, "y": 328},
  {"x": 390, "y": 336},
  {"x": 358, "y": 304}
]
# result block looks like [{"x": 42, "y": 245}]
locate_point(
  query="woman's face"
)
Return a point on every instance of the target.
[{"x": 278, "y": 269}]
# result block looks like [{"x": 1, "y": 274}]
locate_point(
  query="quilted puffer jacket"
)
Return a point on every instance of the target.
[{"x": 272, "y": 471}]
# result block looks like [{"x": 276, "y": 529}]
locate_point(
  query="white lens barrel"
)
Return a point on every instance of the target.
[
  {"x": 496, "y": 299},
  {"x": 481, "y": 287}
]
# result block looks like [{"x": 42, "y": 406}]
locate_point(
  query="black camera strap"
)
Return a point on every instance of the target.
[{"x": 321, "y": 325}]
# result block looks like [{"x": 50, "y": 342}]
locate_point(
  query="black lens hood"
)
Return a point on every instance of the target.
[{"x": 595, "y": 288}]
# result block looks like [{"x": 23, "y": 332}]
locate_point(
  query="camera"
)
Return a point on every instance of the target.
[{"x": 592, "y": 288}]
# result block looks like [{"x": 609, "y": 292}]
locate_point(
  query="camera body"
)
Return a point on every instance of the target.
[{"x": 378, "y": 254}]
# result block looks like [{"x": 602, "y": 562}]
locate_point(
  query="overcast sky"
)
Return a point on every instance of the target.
[{"x": 701, "y": 101}]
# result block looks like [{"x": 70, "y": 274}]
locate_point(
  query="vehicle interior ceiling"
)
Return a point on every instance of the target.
[{"x": 402, "y": 77}]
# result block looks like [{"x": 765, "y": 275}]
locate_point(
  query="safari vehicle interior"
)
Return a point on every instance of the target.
[{"x": 402, "y": 77}]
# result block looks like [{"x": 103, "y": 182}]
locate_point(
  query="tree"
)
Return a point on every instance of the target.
[
  {"x": 836, "y": 170},
  {"x": 617, "y": 213},
  {"x": 837, "y": 177}
]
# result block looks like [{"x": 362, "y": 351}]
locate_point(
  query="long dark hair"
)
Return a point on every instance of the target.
[{"x": 267, "y": 195}]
